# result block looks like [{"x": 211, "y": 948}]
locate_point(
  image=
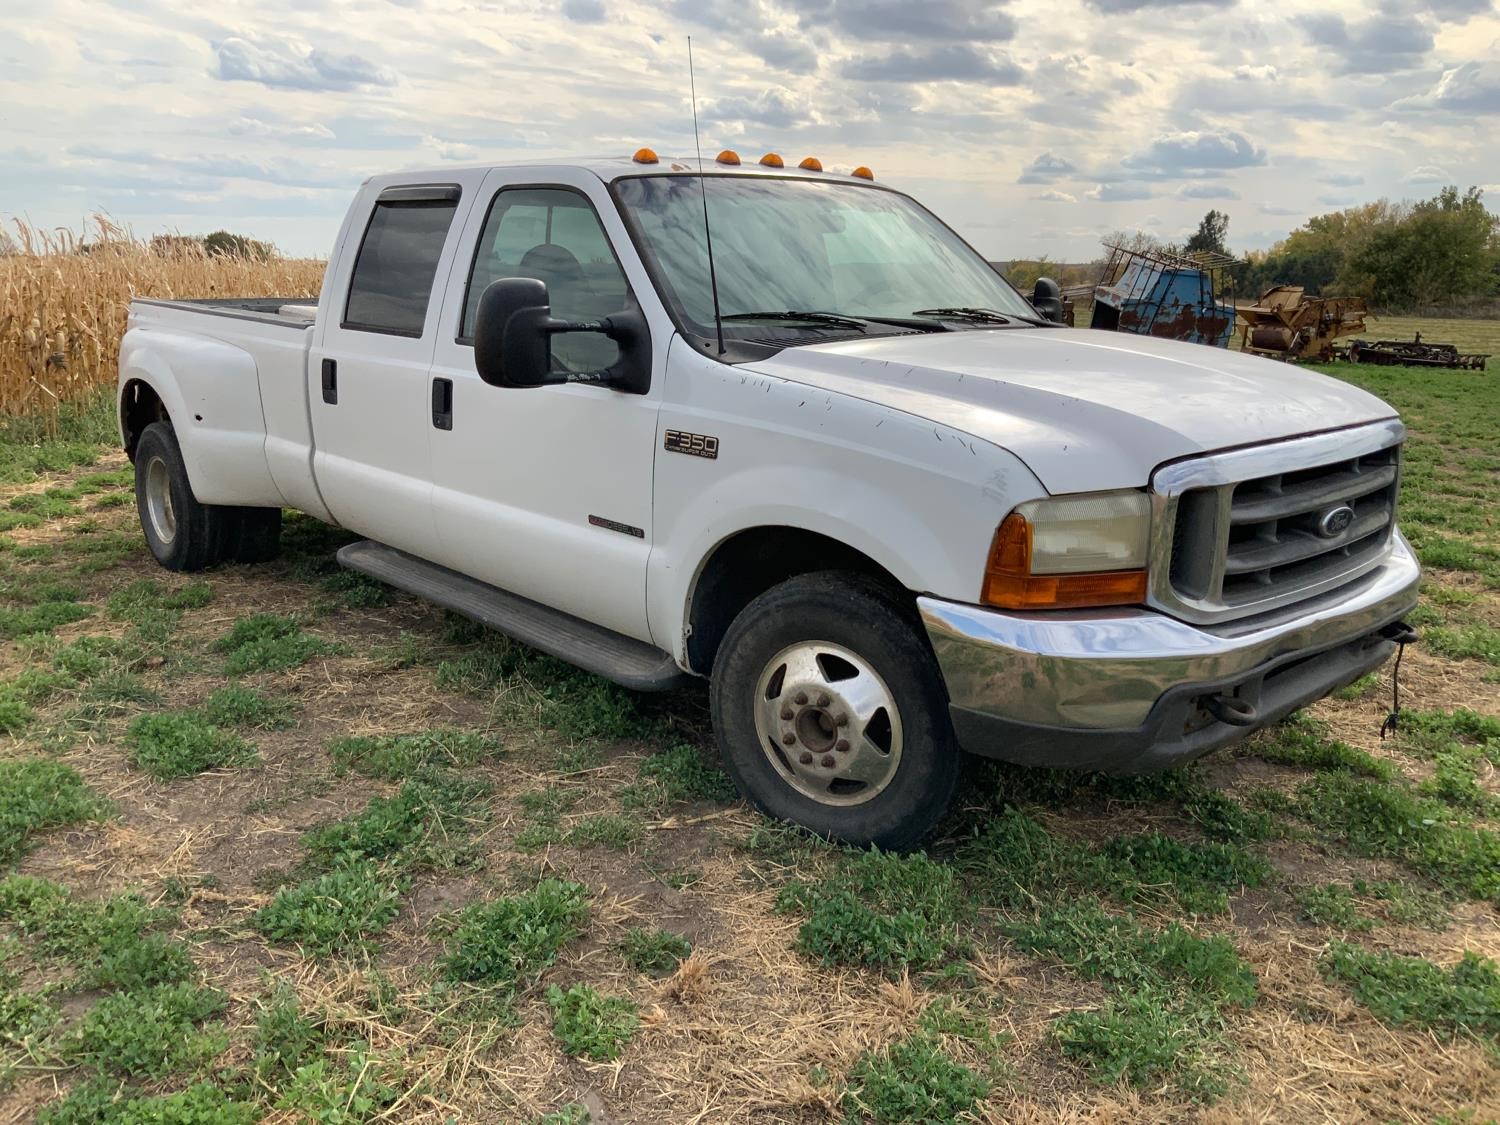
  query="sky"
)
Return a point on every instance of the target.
[{"x": 1032, "y": 126}]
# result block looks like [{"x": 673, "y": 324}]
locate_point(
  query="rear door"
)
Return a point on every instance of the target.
[{"x": 368, "y": 369}]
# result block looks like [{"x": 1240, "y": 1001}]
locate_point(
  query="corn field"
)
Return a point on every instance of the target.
[{"x": 64, "y": 299}]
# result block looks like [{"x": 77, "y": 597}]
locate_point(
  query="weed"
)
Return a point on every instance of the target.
[
  {"x": 353, "y": 1088},
  {"x": 38, "y": 793},
  {"x": 264, "y": 642},
  {"x": 1407, "y": 905},
  {"x": 1146, "y": 1035},
  {"x": 1430, "y": 732},
  {"x": 1097, "y": 945},
  {"x": 1198, "y": 876},
  {"x": 590, "y": 1025},
  {"x": 354, "y": 590},
  {"x": 236, "y": 706},
  {"x": 426, "y": 824},
  {"x": 334, "y": 910},
  {"x": 1359, "y": 689},
  {"x": 1388, "y": 820},
  {"x": 173, "y": 744},
  {"x": 25, "y": 1018},
  {"x": 151, "y": 1032},
  {"x": 1223, "y": 818},
  {"x": 610, "y": 830},
  {"x": 681, "y": 773},
  {"x": 286, "y": 1039},
  {"x": 112, "y": 942},
  {"x": 1475, "y": 641},
  {"x": 1304, "y": 743},
  {"x": 881, "y": 911},
  {"x": 1332, "y": 904},
  {"x": 1410, "y": 990},
  {"x": 145, "y": 599},
  {"x": 41, "y": 618},
  {"x": 655, "y": 952},
  {"x": 14, "y": 715},
  {"x": 100, "y": 1102},
  {"x": 1455, "y": 781},
  {"x": 911, "y": 1080},
  {"x": 510, "y": 940},
  {"x": 574, "y": 1113},
  {"x": 398, "y": 756}
]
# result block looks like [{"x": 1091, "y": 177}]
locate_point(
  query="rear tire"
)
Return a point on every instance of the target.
[
  {"x": 182, "y": 533},
  {"x": 830, "y": 712}
]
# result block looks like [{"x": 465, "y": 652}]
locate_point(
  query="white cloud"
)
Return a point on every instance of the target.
[
  {"x": 290, "y": 66},
  {"x": 1055, "y": 196},
  {"x": 1473, "y": 87},
  {"x": 1426, "y": 174},
  {"x": 1118, "y": 193}
]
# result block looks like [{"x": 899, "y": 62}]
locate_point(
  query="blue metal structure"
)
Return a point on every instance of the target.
[{"x": 1159, "y": 293}]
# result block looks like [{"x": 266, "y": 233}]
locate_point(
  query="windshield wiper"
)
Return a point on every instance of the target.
[
  {"x": 986, "y": 316},
  {"x": 832, "y": 320}
]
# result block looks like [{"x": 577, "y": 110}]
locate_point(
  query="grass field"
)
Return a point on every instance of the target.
[{"x": 280, "y": 844}]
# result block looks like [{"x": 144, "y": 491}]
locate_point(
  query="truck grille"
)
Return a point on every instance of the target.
[{"x": 1244, "y": 545}]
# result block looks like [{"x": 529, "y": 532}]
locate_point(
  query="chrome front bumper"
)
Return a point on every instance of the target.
[{"x": 1125, "y": 690}]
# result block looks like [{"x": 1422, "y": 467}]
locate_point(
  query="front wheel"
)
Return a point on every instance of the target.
[{"x": 830, "y": 712}]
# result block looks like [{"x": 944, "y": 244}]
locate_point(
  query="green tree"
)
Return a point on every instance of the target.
[
  {"x": 1212, "y": 230},
  {"x": 222, "y": 243}
]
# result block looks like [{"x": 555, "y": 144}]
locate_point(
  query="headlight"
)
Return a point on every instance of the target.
[{"x": 1067, "y": 552}]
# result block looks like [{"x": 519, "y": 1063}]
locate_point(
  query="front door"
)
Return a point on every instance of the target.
[
  {"x": 368, "y": 374},
  {"x": 546, "y": 491}
]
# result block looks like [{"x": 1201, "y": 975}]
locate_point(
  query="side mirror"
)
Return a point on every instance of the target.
[
  {"x": 1046, "y": 298},
  {"x": 510, "y": 348},
  {"x": 513, "y": 330}
]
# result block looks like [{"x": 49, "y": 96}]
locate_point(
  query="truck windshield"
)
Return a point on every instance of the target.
[{"x": 789, "y": 244}]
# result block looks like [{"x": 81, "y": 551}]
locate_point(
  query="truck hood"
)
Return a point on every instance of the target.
[{"x": 1084, "y": 409}]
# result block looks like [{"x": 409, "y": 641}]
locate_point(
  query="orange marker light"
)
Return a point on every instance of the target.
[
  {"x": 811, "y": 164},
  {"x": 1009, "y": 583},
  {"x": 863, "y": 173},
  {"x": 729, "y": 156},
  {"x": 644, "y": 156},
  {"x": 772, "y": 160}
]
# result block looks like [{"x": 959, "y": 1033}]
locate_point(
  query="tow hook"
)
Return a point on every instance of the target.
[
  {"x": 1400, "y": 632},
  {"x": 1232, "y": 710}
]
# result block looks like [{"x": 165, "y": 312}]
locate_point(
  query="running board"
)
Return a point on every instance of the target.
[{"x": 628, "y": 662}]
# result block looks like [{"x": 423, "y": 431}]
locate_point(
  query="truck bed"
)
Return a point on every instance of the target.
[{"x": 293, "y": 312}]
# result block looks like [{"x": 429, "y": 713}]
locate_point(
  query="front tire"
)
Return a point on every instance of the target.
[
  {"x": 183, "y": 534},
  {"x": 830, "y": 712}
]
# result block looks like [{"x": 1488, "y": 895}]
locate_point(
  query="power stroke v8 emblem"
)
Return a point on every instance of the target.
[{"x": 694, "y": 445}]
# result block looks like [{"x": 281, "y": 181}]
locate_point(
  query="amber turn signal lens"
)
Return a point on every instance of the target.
[
  {"x": 863, "y": 173},
  {"x": 728, "y": 156},
  {"x": 811, "y": 164},
  {"x": 773, "y": 160},
  {"x": 1009, "y": 583},
  {"x": 644, "y": 156}
]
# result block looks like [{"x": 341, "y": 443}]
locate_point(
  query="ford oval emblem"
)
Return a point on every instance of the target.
[{"x": 1335, "y": 521}]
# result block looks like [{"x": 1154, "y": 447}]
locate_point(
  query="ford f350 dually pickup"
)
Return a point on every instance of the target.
[{"x": 839, "y": 467}]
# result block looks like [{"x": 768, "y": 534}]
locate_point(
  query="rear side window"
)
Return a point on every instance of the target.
[{"x": 398, "y": 259}]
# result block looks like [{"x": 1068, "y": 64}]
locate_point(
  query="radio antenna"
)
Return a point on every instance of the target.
[{"x": 708, "y": 238}]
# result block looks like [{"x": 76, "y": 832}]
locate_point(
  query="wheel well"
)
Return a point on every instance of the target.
[
  {"x": 140, "y": 405},
  {"x": 748, "y": 564}
]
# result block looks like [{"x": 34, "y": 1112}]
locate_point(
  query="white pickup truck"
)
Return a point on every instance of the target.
[{"x": 847, "y": 473}]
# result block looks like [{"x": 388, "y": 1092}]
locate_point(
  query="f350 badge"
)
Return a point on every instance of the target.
[{"x": 694, "y": 445}]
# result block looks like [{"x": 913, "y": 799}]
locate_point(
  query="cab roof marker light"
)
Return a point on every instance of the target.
[
  {"x": 728, "y": 156},
  {"x": 811, "y": 164},
  {"x": 773, "y": 160},
  {"x": 644, "y": 156},
  {"x": 863, "y": 173}
]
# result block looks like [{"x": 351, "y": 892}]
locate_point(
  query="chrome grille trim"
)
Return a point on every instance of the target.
[{"x": 1232, "y": 532}]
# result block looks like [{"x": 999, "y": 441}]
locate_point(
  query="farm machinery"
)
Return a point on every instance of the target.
[
  {"x": 1164, "y": 294},
  {"x": 1414, "y": 353},
  {"x": 1285, "y": 323}
]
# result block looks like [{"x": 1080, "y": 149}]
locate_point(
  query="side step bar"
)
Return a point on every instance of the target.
[{"x": 628, "y": 662}]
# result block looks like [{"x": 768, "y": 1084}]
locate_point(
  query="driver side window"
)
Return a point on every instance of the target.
[{"x": 553, "y": 235}]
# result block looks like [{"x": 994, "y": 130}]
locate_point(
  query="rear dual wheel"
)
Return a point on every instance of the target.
[
  {"x": 830, "y": 712},
  {"x": 184, "y": 534}
]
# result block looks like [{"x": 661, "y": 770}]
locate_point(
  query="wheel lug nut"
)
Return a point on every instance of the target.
[
  {"x": 842, "y": 745},
  {"x": 827, "y": 761},
  {"x": 806, "y": 758},
  {"x": 788, "y": 738},
  {"x": 824, "y": 700},
  {"x": 800, "y": 698},
  {"x": 786, "y": 712},
  {"x": 841, "y": 720}
]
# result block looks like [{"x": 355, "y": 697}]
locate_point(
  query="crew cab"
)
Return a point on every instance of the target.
[{"x": 835, "y": 464}]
